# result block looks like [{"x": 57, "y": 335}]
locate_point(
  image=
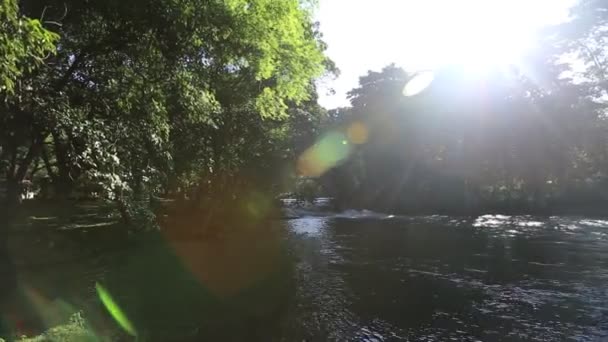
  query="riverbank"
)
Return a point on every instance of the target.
[{"x": 173, "y": 284}]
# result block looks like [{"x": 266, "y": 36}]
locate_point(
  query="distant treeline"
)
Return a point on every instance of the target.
[{"x": 500, "y": 142}]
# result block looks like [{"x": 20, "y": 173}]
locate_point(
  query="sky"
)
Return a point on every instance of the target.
[{"x": 367, "y": 35}]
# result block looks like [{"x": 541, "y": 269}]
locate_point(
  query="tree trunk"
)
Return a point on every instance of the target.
[
  {"x": 63, "y": 182},
  {"x": 16, "y": 173},
  {"x": 13, "y": 192},
  {"x": 123, "y": 209},
  {"x": 47, "y": 164}
]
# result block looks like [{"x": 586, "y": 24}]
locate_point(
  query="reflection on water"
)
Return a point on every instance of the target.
[
  {"x": 355, "y": 275},
  {"x": 310, "y": 226}
]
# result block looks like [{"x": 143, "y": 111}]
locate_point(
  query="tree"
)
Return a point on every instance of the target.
[
  {"x": 146, "y": 97},
  {"x": 24, "y": 45},
  {"x": 503, "y": 140}
]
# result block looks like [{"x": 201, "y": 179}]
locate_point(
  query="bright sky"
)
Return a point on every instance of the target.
[{"x": 366, "y": 35}]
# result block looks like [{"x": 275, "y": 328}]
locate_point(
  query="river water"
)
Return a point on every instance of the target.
[
  {"x": 352, "y": 276},
  {"x": 370, "y": 277}
]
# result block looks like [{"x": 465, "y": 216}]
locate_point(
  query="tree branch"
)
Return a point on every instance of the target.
[{"x": 596, "y": 61}]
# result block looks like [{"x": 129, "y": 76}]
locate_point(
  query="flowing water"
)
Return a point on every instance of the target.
[
  {"x": 354, "y": 276},
  {"x": 367, "y": 277}
]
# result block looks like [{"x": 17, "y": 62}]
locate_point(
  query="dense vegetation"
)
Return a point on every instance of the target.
[{"x": 122, "y": 100}]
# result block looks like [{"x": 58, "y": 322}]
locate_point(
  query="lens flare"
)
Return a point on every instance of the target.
[
  {"x": 418, "y": 83},
  {"x": 331, "y": 150},
  {"x": 258, "y": 205},
  {"x": 114, "y": 310},
  {"x": 357, "y": 133}
]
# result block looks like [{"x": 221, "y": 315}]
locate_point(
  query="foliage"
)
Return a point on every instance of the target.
[
  {"x": 160, "y": 98},
  {"x": 24, "y": 44}
]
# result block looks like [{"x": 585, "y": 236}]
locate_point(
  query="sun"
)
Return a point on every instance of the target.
[
  {"x": 478, "y": 34},
  {"x": 425, "y": 35}
]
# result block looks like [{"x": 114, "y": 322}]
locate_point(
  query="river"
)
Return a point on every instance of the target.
[
  {"x": 354, "y": 276},
  {"x": 369, "y": 277}
]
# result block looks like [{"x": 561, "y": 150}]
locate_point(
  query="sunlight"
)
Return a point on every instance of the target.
[
  {"x": 420, "y": 35},
  {"x": 418, "y": 83},
  {"x": 478, "y": 34}
]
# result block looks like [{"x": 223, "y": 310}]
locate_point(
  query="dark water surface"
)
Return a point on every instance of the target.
[
  {"x": 354, "y": 276},
  {"x": 509, "y": 278}
]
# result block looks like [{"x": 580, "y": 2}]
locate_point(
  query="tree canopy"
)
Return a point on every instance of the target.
[
  {"x": 167, "y": 97},
  {"x": 24, "y": 43}
]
